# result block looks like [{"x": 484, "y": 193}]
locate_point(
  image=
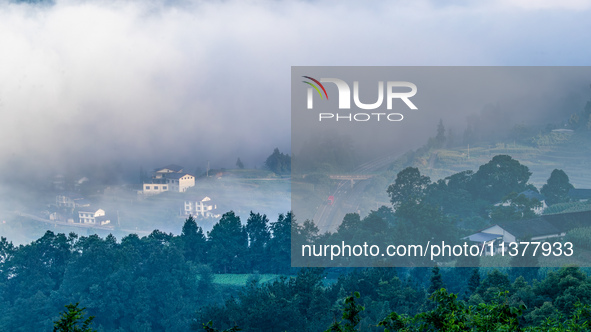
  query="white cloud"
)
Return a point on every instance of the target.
[
  {"x": 149, "y": 81},
  {"x": 547, "y": 4}
]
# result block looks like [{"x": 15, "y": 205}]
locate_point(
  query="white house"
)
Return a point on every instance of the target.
[
  {"x": 168, "y": 178},
  {"x": 537, "y": 229},
  {"x": 155, "y": 188},
  {"x": 89, "y": 215},
  {"x": 200, "y": 207}
]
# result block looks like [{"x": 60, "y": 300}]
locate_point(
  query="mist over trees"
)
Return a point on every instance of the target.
[
  {"x": 239, "y": 164},
  {"x": 278, "y": 162}
]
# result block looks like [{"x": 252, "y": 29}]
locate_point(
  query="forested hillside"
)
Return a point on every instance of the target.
[{"x": 167, "y": 283}]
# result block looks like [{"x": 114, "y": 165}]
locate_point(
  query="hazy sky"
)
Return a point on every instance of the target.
[{"x": 147, "y": 83}]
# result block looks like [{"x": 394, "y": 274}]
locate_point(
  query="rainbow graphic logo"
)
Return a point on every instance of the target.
[{"x": 315, "y": 87}]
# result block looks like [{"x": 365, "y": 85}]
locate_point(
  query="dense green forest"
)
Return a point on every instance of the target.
[
  {"x": 404, "y": 301},
  {"x": 163, "y": 282},
  {"x": 153, "y": 284}
]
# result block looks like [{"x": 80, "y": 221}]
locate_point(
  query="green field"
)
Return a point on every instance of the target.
[{"x": 242, "y": 279}]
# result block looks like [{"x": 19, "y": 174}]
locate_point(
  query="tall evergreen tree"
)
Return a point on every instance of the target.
[
  {"x": 193, "y": 241},
  {"x": 228, "y": 244},
  {"x": 239, "y": 163},
  {"x": 436, "y": 280},
  {"x": 474, "y": 281},
  {"x": 73, "y": 320},
  {"x": 257, "y": 228},
  {"x": 440, "y": 138},
  {"x": 280, "y": 244}
]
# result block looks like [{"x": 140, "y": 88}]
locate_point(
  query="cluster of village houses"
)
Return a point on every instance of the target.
[
  {"x": 73, "y": 208},
  {"x": 76, "y": 209}
]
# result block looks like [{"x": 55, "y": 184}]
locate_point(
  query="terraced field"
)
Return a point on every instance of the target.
[{"x": 569, "y": 152}]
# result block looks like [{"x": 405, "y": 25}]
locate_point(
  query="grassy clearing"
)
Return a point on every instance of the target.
[
  {"x": 249, "y": 173},
  {"x": 242, "y": 279}
]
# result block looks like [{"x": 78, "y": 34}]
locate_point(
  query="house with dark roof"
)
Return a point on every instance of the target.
[
  {"x": 168, "y": 178},
  {"x": 536, "y": 229},
  {"x": 172, "y": 168},
  {"x": 545, "y": 227}
]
